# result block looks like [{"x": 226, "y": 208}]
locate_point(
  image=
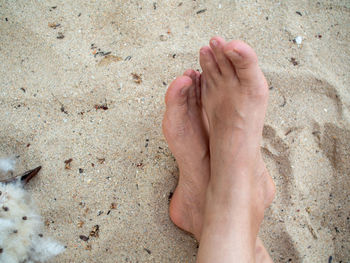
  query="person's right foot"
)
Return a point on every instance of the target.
[{"x": 234, "y": 95}]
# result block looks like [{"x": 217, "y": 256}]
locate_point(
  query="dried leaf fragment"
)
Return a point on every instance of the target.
[
  {"x": 95, "y": 230},
  {"x": 68, "y": 163},
  {"x": 108, "y": 59},
  {"x": 53, "y": 25},
  {"x": 137, "y": 78}
]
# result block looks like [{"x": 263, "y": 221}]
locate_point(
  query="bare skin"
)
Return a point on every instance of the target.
[
  {"x": 187, "y": 134},
  {"x": 234, "y": 96},
  {"x": 187, "y": 137}
]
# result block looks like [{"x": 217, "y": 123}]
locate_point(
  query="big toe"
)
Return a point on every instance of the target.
[
  {"x": 177, "y": 94},
  {"x": 245, "y": 62},
  {"x": 176, "y": 100}
]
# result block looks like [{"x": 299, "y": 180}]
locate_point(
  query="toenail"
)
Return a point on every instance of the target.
[
  {"x": 233, "y": 55},
  {"x": 214, "y": 42},
  {"x": 184, "y": 90}
]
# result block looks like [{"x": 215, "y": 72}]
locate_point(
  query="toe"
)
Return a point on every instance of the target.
[
  {"x": 177, "y": 93},
  {"x": 208, "y": 64},
  {"x": 198, "y": 88},
  {"x": 192, "y": 100},
  {"x": 245, "y": 62},
  {"x": 217, "y": 44}
]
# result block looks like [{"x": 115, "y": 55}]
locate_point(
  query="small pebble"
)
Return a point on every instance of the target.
[
  {"x": 60, "y": 35},
  {"x": 298, "y": 40},
  {"x": 163, "y": 38},
  {"x": 84, "y": 238}
]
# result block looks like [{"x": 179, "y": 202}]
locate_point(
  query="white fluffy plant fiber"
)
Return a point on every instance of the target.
[{"x": 20, "y": 225}]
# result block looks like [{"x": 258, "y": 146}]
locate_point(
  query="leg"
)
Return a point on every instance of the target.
[{"x": 234, "y": 96}]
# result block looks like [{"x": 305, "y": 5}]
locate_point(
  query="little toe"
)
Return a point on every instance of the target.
[
  {"x": 217, "y": 44},
  {"x": 245, "y": 62},
  {"x": 209, "y": 65},
  {"x": 198, "y": 88}
]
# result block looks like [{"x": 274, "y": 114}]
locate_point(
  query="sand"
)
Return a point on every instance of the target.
[{"x": 63, "y": 96}]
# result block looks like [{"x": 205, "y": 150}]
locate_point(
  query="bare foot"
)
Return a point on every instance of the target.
[
  {"x": 234, "y": 95},
  {"x": 187, "y": 136}
]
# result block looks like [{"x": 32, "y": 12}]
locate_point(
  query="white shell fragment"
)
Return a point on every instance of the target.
[{"x": 298, "y": 40}]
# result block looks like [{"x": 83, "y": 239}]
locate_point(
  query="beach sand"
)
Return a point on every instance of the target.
[{"x": 63, "y": 96}]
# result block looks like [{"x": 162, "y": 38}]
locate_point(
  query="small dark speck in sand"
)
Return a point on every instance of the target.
[
  {"x": 164, "y": 83},
  {"x": 81, "y": 170},
  {"x": 330, "y": 259},
  {"x": 201, "y": 11},
  {"x": 63, "y": 109},
  {"x": 147, "y": 250},
  {"x": 271, "y": 88},
  {"x": 294, "y": 61},
  {"x": 284, "y": 102},
  {"x": 101, "y": 106},
  {"x": 174, "y": 55},
  {"x": 68, "y": 163},
  {"x": 154, "y": 5},
  {"x": 127, "y": 58},
  {"x": 60, "y": 35},
  {"x": 6, "y": 19},
  {"x": 101, "y": 160},
  {"x": 23, "y": 89},
  {"x": 84, "y": 238},
  {"x": 299, "y": 13}
]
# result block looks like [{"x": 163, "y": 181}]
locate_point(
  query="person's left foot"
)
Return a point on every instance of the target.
[{"x": 187, "y": 137}]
